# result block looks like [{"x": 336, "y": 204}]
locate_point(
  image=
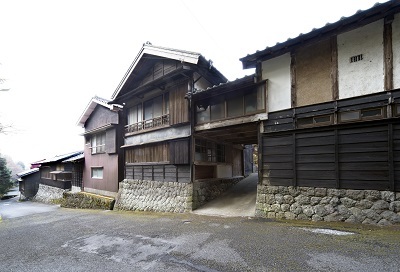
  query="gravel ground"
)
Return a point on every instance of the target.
[{"x": 90, "y": 240}]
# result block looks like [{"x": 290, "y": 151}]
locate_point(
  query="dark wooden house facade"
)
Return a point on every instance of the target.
[
  {"x": 28, "y": 182},
  {"x": 62, "y": 171},
  {"x": 103, "y": 136},
  {"x": 332, "y": 128},
  {"x": 156, "y": 92}
]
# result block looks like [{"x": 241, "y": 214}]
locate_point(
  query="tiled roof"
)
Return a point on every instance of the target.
[
  {"x": 27, "y": 172},
  {"x": 75, "y": 158},
  {"x": 245, "y": 79},
  {"x": 63, "y": 157}
]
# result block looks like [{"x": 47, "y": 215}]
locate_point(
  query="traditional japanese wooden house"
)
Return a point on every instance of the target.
[
  {"x": 28, "y": 181},
  {"x": 329, "y": 149},
  {"x": 103, "y": 166},
  {"x": 158, "y": 123},
  {"x": 58, "y": 171}
]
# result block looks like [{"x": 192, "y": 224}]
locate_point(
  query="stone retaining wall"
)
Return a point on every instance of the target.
[
  {"x": 157, "y": 196},
  {"x": 206, "y": 190},
  {"x": 49, "y": 194},
  {"x": 83, "y": 200},
  {"x": 322, "y": 204}
]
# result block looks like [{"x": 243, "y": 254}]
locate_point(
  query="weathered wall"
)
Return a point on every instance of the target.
[
  {"x": 313, "y": 74},
  {"x": 367, "y": 75},
  {"x": 109, "y": 162},
  {"x": 146, "y": 195},
  {"x": 169, "y": 133},
  {"x": 322, "y": 204},
  {"x": 277, "y": 71},
  {"x": 101, "y": 116},
  {"x": 396, "y": 50},
  {"x": 49, "y": 194},
  {"x": 206, "y": 190}
]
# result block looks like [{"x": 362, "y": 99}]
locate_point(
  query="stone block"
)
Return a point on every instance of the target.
[
  {"x": 302, "y": 199},
  {"x": 270, "y": 199},
  {"x": 372, "y": 214},
  {"x": 284, "y": 190},
  {"x": 391, "y": 216},
  {"x": 344, "y": 211},
  {"x": 280, "y": 215},
  {"x": 279, "y": 199},
  {"x": 369, "y": 221},
  {"x": 288, "y": 199},
  {"x": 290, "y": 215},
  {"x": 372, "y": 195},
  {"x": 334, "y": 201},
  {"x": 308, "y": 191},
  {"x": 348, "y": 202},
  {"x": 276, "y": 207},
  {"x": 336, "y": 192},
  {"x": 364, "y": 204},
  {"x": 271, "y": 215},
  {"x": 394, "y": 206},
  {"x": 308, "y": 210},
  {"x": 355, "y": 194},
  {"x": 296, "y": 208},
  {"x": 325, "y": 200},
  {"x": 380, "y": 205},
  {"x": 320, "y": 210},
  {"x": 285, "y": 207},
  {"x": 397, "y": 196},
  {"x": 320, "y": 192},
  {"x": 314, "y": 200},
  {"x": 293, "y": 191},
  {"x": 334, "y": 217},
  {"x": 384, "y": 222},
  {"x": 388, "y": 196},
  {"x": 272, "y": 189}
]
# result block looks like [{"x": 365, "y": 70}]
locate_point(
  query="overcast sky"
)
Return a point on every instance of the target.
[{"x": 58, "y": 54}]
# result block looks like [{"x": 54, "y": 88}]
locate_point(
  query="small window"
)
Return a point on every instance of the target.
[
  {"x": 371, "y": 113},
  {"x": 97, "y": 172},
  {"x": 99, "y": 143},
  {"x": 397, "y": 109},
  {"x": 364, "y": 114},
  {"x": 314, "y": 121}
]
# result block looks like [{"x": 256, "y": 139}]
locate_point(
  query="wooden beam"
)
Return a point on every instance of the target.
[
  {"x": 293, "y": 80},
  {"x": 334, "y": 69},
  {"x": 388, "y": 52}
]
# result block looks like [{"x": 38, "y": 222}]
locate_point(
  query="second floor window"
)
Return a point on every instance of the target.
[
  {"x": 98, "y": 143},
  {"x": 151, "y": 113}
]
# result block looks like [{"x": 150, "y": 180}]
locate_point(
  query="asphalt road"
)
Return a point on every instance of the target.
[{"x": 90, "y": 240}]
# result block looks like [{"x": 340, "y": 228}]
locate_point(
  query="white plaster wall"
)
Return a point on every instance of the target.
[
  {"x": 396, "y": 50},
  {"x": 365, "y": 76},
  {"x": 277, "y": 71}
]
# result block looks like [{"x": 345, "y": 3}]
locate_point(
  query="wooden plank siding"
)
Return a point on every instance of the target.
[
  {"x": 159, "y": 172},
  {"x": 349, "y": 157},
  {"x": 179, "y": 109},
  {"x": 158, "y": 152}
]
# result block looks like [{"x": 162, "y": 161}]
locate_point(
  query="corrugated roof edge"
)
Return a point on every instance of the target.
[{"x": 249, "y": 61}]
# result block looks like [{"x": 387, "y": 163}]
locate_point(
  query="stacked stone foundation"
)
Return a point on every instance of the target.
[
  {"x": 156, "y": 196},
  {"x": 49, "y": 194},
  {"x": 324, "y": 204}
]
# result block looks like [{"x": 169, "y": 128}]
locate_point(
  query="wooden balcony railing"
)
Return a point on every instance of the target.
[{"x": 148, "y": 124}]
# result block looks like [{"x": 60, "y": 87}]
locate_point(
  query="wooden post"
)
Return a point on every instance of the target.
[
  {"x": 334, "y": 69},
  {"x": 388, "y": 52},
  {"x": 293, "y": 80}
]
